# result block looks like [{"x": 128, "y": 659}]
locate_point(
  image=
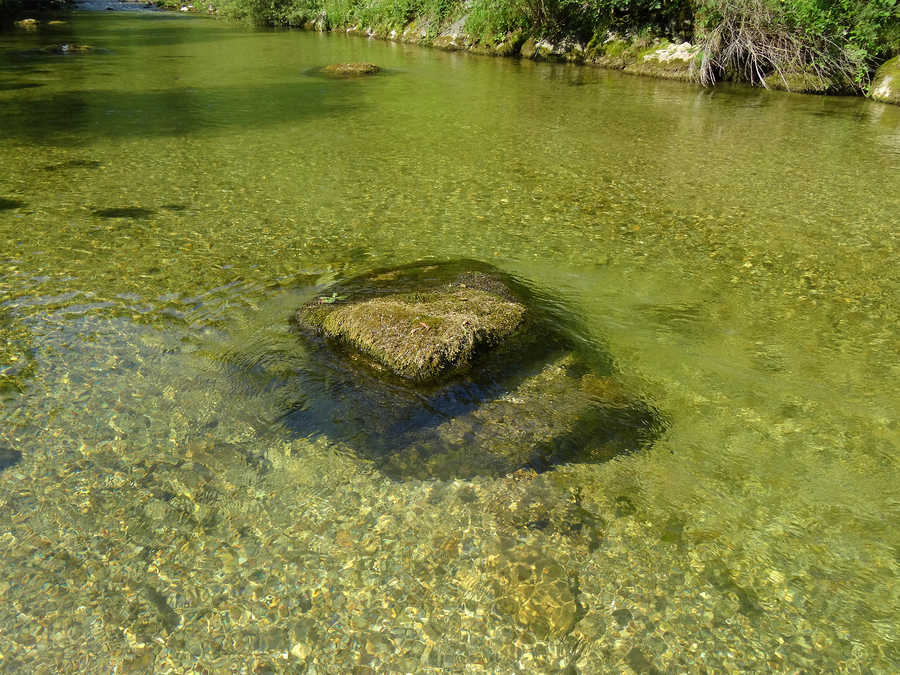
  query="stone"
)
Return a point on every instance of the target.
[
  {"x": 9, "y": 457},
  {"x": 70, "y": 48},
  {"x": 351, "y": 69},
  {"x": 667, "y": 61},
  {"x": 419, "y": 335},
  {"x": 800, "y": 83},
  {"x": 534, "y": 589},
  {"x": 886, "y": 83},
  {"x": 455, "y": 369}
]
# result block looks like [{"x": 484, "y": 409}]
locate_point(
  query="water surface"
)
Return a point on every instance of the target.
[{"x": 168, "y": 201}]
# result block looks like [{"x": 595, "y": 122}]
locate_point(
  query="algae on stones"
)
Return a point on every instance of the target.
[
  {"x": 423, "y": 335},
  {"x": 800, "y": 83}
]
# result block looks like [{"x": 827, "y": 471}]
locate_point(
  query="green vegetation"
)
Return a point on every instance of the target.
[
  {"x": 838, "y": 41},
  {"x": 832, "y": 44},
  {"x": 810, "y": 45}
]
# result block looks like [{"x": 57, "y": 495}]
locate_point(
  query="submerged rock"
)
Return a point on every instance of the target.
[
  {"x": 534, "y": 589},
  {"x": 9, "y": 457},
  {"x": 70, "y": 48},
  {"x": 350, "y": 69},
  {"x": 454, "y": 369}
]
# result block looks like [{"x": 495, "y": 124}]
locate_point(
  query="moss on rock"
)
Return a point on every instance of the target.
[
  {"x": 667, "y": 61},
  {"x": 886, "y": 84},
  {"x": 70, "y": 48},
  {"x": 800, "y": 83},
  {"x": 351, "y": 69},
  {"x": 528, "y": 48},
  {"x": 421, "y": 335}
]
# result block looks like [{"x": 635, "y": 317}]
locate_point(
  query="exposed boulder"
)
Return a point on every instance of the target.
[
  {"x": 70, "y": 48},
  {"x": 454, "y": 369},
  {"x": 886, "y": 84},
  {"x": 423, "y": 335},
  {"x": 800, "y": 83},
  {"x": 350, "y": 69},
  {"x": 668, "y": 61}
]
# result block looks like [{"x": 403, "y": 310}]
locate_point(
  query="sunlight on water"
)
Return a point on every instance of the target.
[{"x": 170, "y": 199}]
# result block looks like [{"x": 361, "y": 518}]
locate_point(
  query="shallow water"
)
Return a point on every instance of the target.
[{"x": 169, "y": 200}]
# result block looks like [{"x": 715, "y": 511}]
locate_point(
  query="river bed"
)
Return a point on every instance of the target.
[{"x": 168, "y": 200}]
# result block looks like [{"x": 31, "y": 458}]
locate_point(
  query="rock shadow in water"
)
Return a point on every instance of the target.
[
  {"x": 8, "y": 204},
  {"x": 13, "y": 86},
  {"x": 75, "y": 117},
  {"x": 547, "y": 396},
  {"x": 124, "y": 212},
  {"x": 9, "y": 457},
  {"x": 74, "y": 164}
]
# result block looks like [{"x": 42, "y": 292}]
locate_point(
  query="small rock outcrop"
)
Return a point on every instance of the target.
[
  {"x": 800, "y": 83},
  {"x": 70, "y": 48},
  {"x": 350, "y": 69},
  {"x": 671, "y": 62},
  {"x": 419, "y": 336},
  {"x": 886, "y": 83}
]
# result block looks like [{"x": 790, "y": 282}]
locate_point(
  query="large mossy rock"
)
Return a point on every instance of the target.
[
  {"x": 423, "y": 335},
  {"x": 455, "y": 369},
  {"x": 886, "y": 83},
  {"x": 800, "y": 83},
  {"x": 667, "y": 61}
]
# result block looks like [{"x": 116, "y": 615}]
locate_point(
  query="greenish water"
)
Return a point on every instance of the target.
[{"x": 167, "y": 203}]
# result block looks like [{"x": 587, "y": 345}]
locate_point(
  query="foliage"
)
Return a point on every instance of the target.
[
  {"x": 835, "y": 40},
  {"x": 385, "y": 14},
  {"x": 840, "y": 41}
]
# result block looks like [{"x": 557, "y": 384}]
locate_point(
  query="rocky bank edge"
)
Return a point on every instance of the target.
[{"x": 654, "y": 57}]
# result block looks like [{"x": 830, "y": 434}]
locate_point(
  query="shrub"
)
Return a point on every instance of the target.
[{"x": 836, "y": 40}]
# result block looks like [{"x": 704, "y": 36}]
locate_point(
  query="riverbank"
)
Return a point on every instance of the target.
[
  {"x": 791, "y": 47},
  {"x": 690, "y": 42}
]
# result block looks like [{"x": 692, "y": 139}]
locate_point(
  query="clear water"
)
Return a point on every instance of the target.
[{"x": 166, "y": 202}]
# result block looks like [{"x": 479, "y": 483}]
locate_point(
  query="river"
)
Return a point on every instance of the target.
[{"x": 169, "y": 199}]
